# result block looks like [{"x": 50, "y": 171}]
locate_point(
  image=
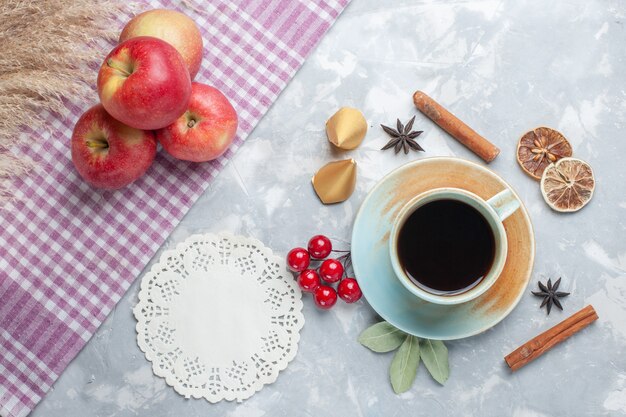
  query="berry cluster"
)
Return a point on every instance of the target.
[{"x": 330, "y": 270}]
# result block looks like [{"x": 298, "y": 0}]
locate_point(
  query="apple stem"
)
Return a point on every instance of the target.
[
  {"x": 112, "y": 64},
  {"x": 98, "y": 144},
  {"x": 191, "y": 123}
]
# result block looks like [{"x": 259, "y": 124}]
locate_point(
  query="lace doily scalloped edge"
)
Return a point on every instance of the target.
[{"x": 261, "y": 382}]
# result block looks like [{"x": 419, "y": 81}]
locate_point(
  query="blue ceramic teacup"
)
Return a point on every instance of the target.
[{"x": 495, "y": 211}]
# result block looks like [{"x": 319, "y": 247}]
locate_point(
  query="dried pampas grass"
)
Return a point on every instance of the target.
[{"x": 47, "y": 48}]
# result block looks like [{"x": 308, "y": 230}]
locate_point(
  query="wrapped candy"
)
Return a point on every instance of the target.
[
  {"x": 346, "y": 128},
  {"x": 335, "y": 181}
]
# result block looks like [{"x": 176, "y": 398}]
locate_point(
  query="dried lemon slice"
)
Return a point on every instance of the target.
[
  {"x": 568, "y": 184},
  {"x": 539, "y": 148}
]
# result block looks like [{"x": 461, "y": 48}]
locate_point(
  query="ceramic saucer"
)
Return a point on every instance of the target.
[{"x": 372, "y": 264}]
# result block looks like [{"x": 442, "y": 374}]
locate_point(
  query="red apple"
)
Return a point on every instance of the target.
[
  {"x": 107, "y": 153},
  {"x": 144, "y": 83},
  {"x": 174, "y": 28},
  {"x": 205, "y": 130}
]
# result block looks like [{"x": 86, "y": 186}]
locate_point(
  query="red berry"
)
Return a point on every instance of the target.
[
  {"x": 349, "y": 290},
  {"x": 331, "y": 270},
  {"x": 298, "y": 259},
  {"x": 308, "y": 280},
  {"x": 320, "y": 246},
  {"x": 325, "y": 297}
]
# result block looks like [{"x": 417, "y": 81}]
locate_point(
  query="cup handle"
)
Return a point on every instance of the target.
[{"x": 504, "y": 203}]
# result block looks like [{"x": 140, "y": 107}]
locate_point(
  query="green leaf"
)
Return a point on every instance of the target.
[
  {"x": 381, "y": 337},
  {"x": 435, "y": 356},
  {"x": 404, "y": 365}
]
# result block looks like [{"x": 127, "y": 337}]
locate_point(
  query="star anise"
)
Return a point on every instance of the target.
[
  {"x": 402, "y": 137},
  {"x": 550, "y": 294}
]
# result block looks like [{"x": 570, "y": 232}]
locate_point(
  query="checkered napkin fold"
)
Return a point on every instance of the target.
[{"x": 69, "y": 252}]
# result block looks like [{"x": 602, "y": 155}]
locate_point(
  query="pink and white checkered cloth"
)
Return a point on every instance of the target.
[{"x": 69, "y": 252}]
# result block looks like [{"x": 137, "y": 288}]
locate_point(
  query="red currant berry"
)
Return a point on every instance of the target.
[
  {"x": 298, "y": 259},
  {"x": 325, "y": 297},
  {"x": 308, "y": 280},
  {"x": 349, "y": 290},
  {"x": 320, "y": 246},
  {"x": 331, "y": 270}
]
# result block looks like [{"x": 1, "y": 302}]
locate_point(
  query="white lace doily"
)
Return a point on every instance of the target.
[{"x": 219, "y": 317}]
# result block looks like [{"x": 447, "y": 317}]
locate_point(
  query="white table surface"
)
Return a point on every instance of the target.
[{"x": 502, "y": 66}]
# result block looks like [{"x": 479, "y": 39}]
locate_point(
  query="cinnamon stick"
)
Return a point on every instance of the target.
[
  {"x": 455, "y": 127},
  {"x": 537, "y": 346}
]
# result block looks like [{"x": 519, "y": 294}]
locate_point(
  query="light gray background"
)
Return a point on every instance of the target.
[{"x": 504, "y": 67}]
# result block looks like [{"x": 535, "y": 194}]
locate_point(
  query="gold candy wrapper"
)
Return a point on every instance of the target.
[
  {"x": 335, "y": 181},
  {"x": 346, "y": 128}
]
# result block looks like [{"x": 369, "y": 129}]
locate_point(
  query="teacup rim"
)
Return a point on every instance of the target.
[{"x": 408, "y": 208}]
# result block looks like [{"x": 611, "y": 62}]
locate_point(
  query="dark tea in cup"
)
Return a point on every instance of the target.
[{"x": 446, "y": 247}]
